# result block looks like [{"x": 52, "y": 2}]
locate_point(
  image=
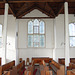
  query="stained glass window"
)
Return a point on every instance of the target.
[
  {"x": 72, "y": 34},
  {"x": 36, "y": 33}
]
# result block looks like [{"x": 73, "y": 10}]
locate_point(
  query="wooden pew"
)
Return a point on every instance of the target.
[
  {"x": 72, "y": 60},
  {"x": 0, "y": 61},
  {"x": 20, "y": 60},
  {"x": 27, "y": 72},
  {"x": 30, "y": 69},
  {"x": 48, "y": 72},
  {"x": 20, "y": 67},
  {"x": 43, "y": 63},
  {"x": 71, "y": 72},
  {"x": 39, "y": 59},
  {"x": 11, "y": 72},
  {"x": 71, "y": 66},
  {"x": 6, "y": 73},
  {"x": 7, "y": 67},
  {"x": 57, "y": 68},
  {"x": 62, "y": 60},
  {"x": 44, "y": 69}
]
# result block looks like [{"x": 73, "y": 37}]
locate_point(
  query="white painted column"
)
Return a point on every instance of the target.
[
  {"x": 16, "y": 43},
  {"x": 67, "y": 57},
  {"x": 54, "y": 50},
  {"x": 5, "y": 34}
]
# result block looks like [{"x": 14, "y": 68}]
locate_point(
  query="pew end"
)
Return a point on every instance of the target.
[
  {"x": 57, "y": 68},
  {"x": 48, "y": 72},
  {"x": 27, "y": 73},
  {"x": 71, "y": 72}
]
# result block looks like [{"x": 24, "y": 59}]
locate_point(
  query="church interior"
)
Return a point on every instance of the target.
[{"x": 37, "y": 37}]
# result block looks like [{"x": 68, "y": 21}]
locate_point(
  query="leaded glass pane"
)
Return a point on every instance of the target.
[
  {"x": 42, "y": 39},
  {"x": 42, "y": 27},
  {"x": 30, "y": 27},
  {"x": 36, "y": 38},
  {"x": 0, "y": 30},
  {"x": 36, "y": 22},
  {"x": 36, "y": 44},
  {"x": 36, "y": 29},
  {"x": 72, "y": 41},
  {"x": 72, "y": 29},
  {"x": 30, "y": 40}
]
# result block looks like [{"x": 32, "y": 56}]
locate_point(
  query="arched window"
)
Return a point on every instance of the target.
[
  {"x": 0, "y": 35},
  {"x": 72, "y": 34},
  {"x": 36, "y": 33}
]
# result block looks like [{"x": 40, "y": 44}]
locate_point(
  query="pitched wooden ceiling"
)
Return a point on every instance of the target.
[{"x": 52, "y": 8}]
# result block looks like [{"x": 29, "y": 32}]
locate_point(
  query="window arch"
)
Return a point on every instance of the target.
[
  {"x": 72, "y": 34},
  {"x": 36, "y": 33},
  {"x": 0, "y": 35}
]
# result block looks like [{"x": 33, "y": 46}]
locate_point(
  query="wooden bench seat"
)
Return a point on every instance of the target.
[
  {"x": 48, "y": 72},
  {"x": 54, "y": 68},
  {"x": 71, "y": 72},
  {"x": 71, "y": 66},
  {"x": 57, "y": 68},
  {"x": 7, "y": 67},
  {"x": 27, "y": 72},
  {"x": 39, "y": 59},
  {"x": 11, "y": 72},
  {"x": 44, "y": 70},
  {"x": 72, "y": 60},
  {"x": 20, "y": 67},
  {"x": 62, "y": 60}
]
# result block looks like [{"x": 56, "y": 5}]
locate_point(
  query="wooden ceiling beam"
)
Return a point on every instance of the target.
[
  {"x": 44, "y": 11},
  {"x": 22, "y": 1},
  {"x": 10, "y": 7},
  {"x": 45, "y": 5},
  {"x": 34, "y": 18},
  {"x": 5, "y": 1},
  {"x": 51, "y": 10},
  {"x": 2, "y": 1},
  {"x": 12, "y": 10},
  {"x": 21, "y": 9},
  {"x": 60, "y": 10},
  {"x": 26, "y": 11}
]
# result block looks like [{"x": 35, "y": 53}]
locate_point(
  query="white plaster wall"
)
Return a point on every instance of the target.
[
  {"x": 1, "y": 22},
  {"x": 60, "y": 52},
  {"x": 72, "y": 49},
  {"x": 11, "y": 28},
  {"x": 35, "y": 13},
  {"x": 11, "y": 52},
  {"x": 24, "y": 51}
]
